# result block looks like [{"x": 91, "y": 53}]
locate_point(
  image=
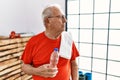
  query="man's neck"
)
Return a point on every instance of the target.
[{"x": 52, "y": 35}]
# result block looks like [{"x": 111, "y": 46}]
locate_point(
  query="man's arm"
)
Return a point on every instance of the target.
[
  {"x": 44, "y": 70},
  {"x": 74, "y": 70}
]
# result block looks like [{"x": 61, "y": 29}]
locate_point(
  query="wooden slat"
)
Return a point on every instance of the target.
[
  {"x": 18, "y": 78},
  {"x": 16, "y": 40},
  {"x": 14, "y": 77},
  {"x": 26, "y": 77},
  {"x": 9, "y": 64},
  {"x": 9, "y": 69},
  {"x": 11, "y": 46},
  {"x": 11, "y": 56},
  {"x": 6, "y": 57},
  {"x": 11, "y": 51},
  {"x": 17, "y": 54},
  {"x": 7, "y": 61},
  {"x": 13, "y": 73},
  {"x": 3, "y": 37}
]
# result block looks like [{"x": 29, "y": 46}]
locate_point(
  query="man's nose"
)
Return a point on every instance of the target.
[{"x": 64, "y": 19}]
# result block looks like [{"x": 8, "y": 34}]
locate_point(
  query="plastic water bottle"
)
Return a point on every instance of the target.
[{"x": 54, "y": 58}]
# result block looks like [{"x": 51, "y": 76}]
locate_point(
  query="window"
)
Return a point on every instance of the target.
[{"x": 95, "y": 27}]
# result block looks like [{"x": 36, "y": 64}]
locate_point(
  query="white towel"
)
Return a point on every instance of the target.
[{"x": 66, "y": 45}]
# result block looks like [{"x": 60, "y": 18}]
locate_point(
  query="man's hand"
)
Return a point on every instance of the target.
[{"x": 46, "y": 71}]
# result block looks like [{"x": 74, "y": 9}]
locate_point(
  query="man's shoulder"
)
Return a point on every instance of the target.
[{"x": 34, "y": 39}]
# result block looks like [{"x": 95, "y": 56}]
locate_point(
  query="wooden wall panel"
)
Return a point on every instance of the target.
[{"x": 10, "y": 63}]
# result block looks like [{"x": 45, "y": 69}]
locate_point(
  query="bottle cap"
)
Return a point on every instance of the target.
[{"x": 55, "y": 49}]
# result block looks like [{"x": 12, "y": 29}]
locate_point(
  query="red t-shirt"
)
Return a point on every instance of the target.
[{"x": 38, "y": 51}]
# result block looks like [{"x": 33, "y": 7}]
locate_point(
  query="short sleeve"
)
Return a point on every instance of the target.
[
  {"x": 27, "y": 54},
  {"x": 75, "y": 52}
]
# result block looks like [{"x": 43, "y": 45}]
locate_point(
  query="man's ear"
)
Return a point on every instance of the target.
[{"x": 46, "y": 20}]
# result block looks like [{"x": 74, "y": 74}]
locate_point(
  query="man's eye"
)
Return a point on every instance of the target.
[{"x": 59, "y": 16}]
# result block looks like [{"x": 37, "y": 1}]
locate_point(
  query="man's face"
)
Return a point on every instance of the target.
[{"x": 57, "y": 21}]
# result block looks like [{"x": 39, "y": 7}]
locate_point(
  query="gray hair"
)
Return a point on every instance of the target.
[{"x": 47, "y": 11}]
